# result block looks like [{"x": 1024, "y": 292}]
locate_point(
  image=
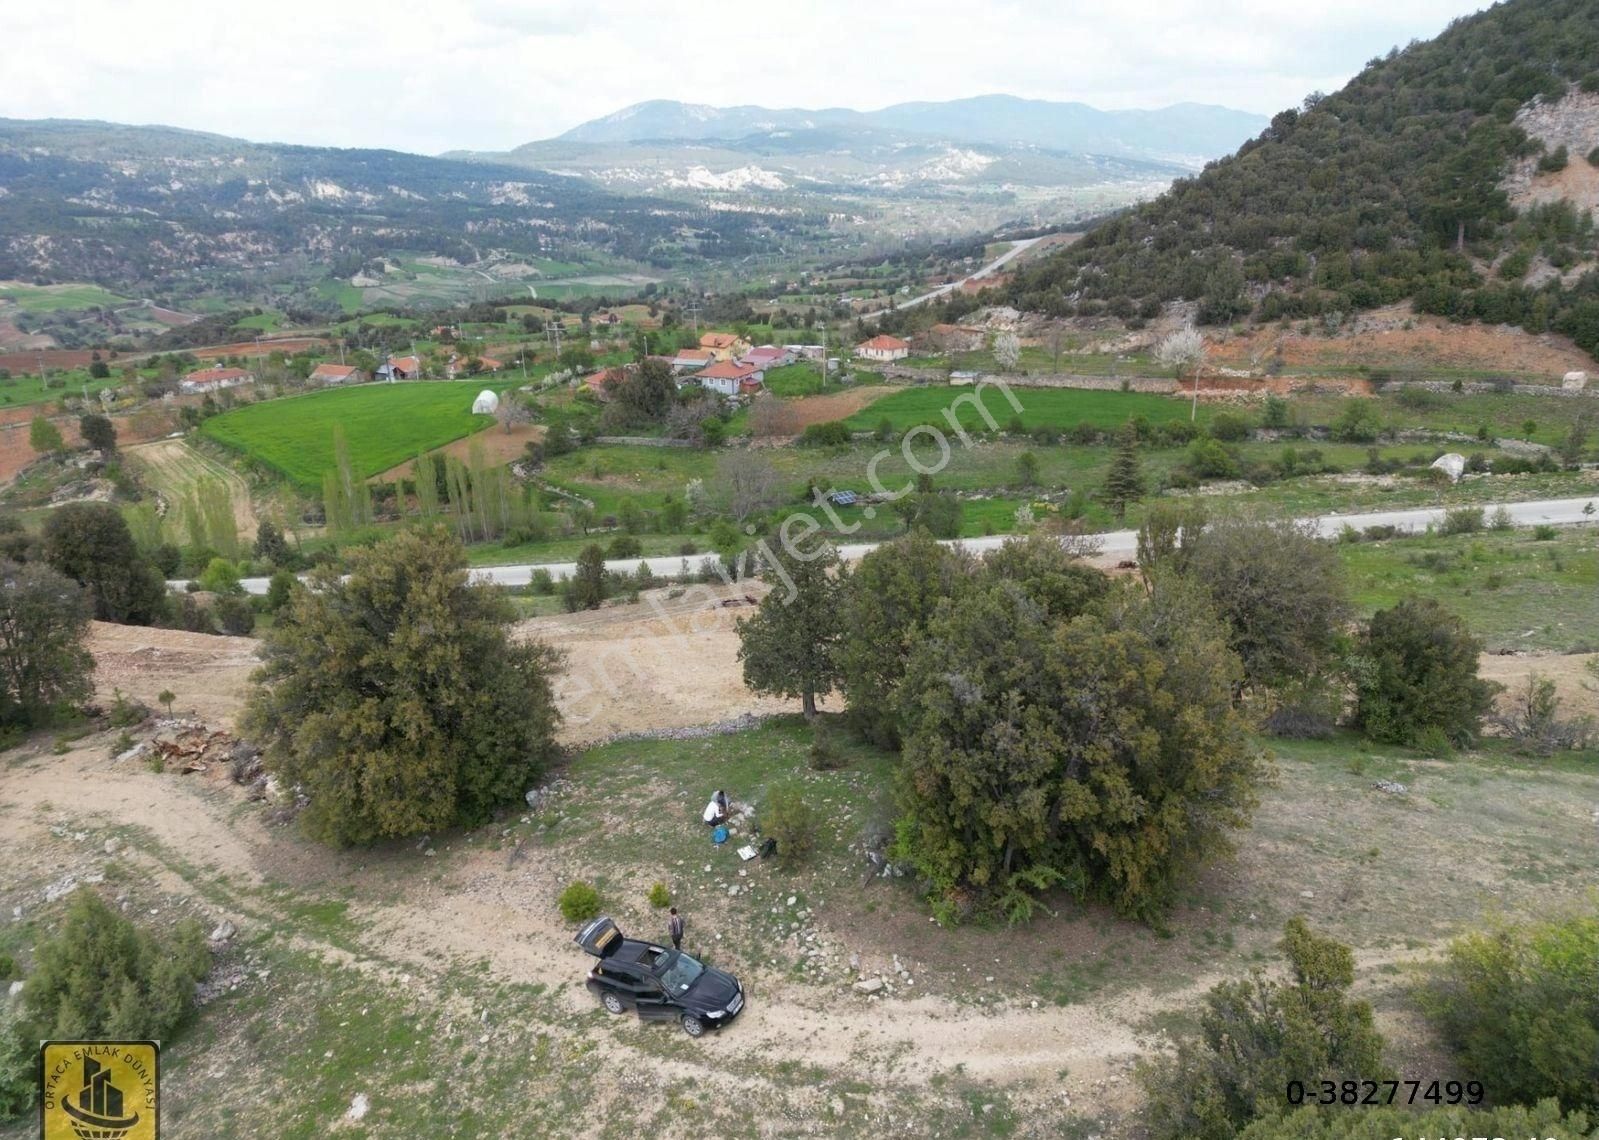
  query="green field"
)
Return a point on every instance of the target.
[
  {"x": 385, "y": 424},
  {"x": 51, "y": 298},
  {"x": 348, "y": 296},
  {"x": 795, "y": 380},
  {"x": 1041, "y": 407}
]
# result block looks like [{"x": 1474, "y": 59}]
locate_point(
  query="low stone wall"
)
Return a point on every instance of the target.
[
  {"x": 1482, "y": 387},
  {"x": 643, "y": 441}
]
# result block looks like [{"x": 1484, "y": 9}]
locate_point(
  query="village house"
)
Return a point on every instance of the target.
[
  {"x": 457, "y": 366},
  {"x": 724, "y": 346},
  {"x": 330, "y": 375},
  {"x": 213, "y": 380},
  {"x": 729, "y": 379},
  {"x": 400, "y": 368},
  {"x": 883, "y": 348},
  {"x": 601, "y": 382}
]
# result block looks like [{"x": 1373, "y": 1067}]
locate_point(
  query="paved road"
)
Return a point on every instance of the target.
[
  {"x": 1114, "y": 544},
  {"x": 991, "y": 267}
]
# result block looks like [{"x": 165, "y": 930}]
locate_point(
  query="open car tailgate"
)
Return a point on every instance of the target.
[{"x": 600, "y": 937}]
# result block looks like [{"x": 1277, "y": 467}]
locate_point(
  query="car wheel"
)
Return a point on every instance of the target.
[
  {"x": 693, "y": 1026},
  {"x": 613, "y": 1003}
]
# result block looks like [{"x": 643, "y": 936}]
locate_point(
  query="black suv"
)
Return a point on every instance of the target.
[{"x": 662, "y": 984}]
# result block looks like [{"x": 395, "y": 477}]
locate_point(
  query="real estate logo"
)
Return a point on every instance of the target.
[{"x": 99, "y": 1090}]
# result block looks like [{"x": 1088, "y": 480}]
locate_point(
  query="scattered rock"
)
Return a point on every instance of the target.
[
  {"x": 358, "y": 1107},
  {"x": 1392, "y": 787},
  {"x": 1307, "y": 894},
  {"x": 869, "y": 986},
  {"x": 224, "y": 931},
  {"x": 16, "y": 988}
]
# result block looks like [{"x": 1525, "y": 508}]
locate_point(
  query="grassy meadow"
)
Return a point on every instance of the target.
[
  {"x": 385, "y": 424},
  {"x": 1041, "y": 407}
]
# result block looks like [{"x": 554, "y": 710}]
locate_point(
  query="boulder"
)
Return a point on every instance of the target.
[{"x": 1453, "y": 464}]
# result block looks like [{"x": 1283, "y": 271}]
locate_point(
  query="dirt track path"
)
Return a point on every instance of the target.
[{"x": 174, "y": 468}]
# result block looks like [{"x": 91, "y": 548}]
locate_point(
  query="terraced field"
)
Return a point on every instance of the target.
[
  {"x": 174, "y": 469},
  {"x": 385, "y": 424}
]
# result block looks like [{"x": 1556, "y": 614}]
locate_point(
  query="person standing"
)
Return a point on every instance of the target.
[{"x": 674, "y": 927}]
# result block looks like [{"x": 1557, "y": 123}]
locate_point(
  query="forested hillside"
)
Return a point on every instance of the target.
[{"x": 1390, "y": 189}]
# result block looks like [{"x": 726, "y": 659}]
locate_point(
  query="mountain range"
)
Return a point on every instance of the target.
[
  {"x": 1185, "y": 134},
  {"x": 1067, "y": 159}
]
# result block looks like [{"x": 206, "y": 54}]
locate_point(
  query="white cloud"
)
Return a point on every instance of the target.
[{"x": 490, "y": 74}]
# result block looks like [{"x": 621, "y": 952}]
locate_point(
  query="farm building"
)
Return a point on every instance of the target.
[
  {"x": 883, "y": 348},
  {"x": 214, "y": 380},
  {"x": 335, "y": 374},
  {"x": 730, "y": 379},
  {"x": 486, "y": 404},
  {"x": 691, "y": 359},
  {"x": 767, "y": 356}
]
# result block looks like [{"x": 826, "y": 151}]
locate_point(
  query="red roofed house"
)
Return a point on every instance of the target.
[
  {"x": 883, "y": 348},
  {"x": 335, "y": 374},
  {"x": 730, "y": 379},
  {"x": 214, "y": 380},
  {"x": 457, "y": 366},
  {"x": 400, "y": 368},
  {"x": 724, "y": 346},
  {"x": 601, "y": 382}
]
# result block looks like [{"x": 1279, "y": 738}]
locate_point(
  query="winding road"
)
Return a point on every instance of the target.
[{"x": 1016, "y": 249}]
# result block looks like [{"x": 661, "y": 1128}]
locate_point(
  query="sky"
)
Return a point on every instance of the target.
[{"x": 435, "y": 75}]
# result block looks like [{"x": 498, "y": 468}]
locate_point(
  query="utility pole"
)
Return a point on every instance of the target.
[
  {"x": 44, "y": 379},
  {"x": 693, "y": 310},
  {"x": 823, "y": 326},
  {"x": 553, "y": 330}
]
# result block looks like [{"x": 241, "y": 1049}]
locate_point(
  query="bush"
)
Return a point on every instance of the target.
[
  {"x": 1461, "y": 520},
  {"x": 1415, "y": 669},
  {"x": 1520, "y": 1003},
  {"x": 659, "y": 896},
  {"x": 831, "y": 434},
  {"x": 1229, "y": 427},
  {"x": 1543, "y": 532},
  {"x": 789, "y": 818},
  {"x": 1501, "y": 520},
  {"x": 235, "y": 616},
  {"x": 542, "y": 583},
  {"x": 1257, "y": 1035},
  {"x": 579, "y": 902},
  {"x": 1357, "y": 423},
  {"x": 624, "y": 546},
  {"x": 102, "y": 976},
  {"x": 1208, "y": 459}
]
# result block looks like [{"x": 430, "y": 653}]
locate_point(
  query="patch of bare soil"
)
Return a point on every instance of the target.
[
  {"x": 662, "y": 663},
  {"x": 1394, "y": 338},
  {"x": 499, "y": 447},
  {"x": 1569, "y": 672},
  {"x": 833, "y": 406},
  {"x": 207, "y": 674}
]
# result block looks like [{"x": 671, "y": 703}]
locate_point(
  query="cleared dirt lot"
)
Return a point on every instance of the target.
[{"x": 409, "y": 969}]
